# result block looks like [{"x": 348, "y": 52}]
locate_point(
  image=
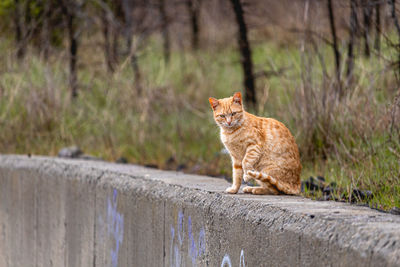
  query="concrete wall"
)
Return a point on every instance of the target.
[{"x": 56, "y": 212}]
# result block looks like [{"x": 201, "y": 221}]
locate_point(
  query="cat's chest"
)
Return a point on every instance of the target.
[{"x": 236, "y": 146}]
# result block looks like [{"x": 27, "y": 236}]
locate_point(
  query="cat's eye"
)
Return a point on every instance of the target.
[
  {"x": 222, "y": 115},
  {"x": 233, "y": 113}
]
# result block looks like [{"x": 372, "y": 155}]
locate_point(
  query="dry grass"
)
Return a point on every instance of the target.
[{"x": 353, "y": 141}]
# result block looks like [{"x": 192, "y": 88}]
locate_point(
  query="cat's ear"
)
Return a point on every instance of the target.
[
  {"x": 237, "y": 98},
  {"x": 213, "y": 102}
]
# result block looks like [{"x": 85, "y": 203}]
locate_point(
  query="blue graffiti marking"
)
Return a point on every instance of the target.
[
  {"x": 226, "y": 261},
  {"x": 172, "y": 244},
  {"x": 202, "y": 241},
  {"x": 180, "y": 227},
  {"x": 196, "y": 248},
  {"x": 242, "y": 258},
  {"x": 115, "y": 227}
]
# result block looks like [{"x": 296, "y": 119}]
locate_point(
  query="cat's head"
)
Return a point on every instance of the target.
[{"x": 228, "y": 112}]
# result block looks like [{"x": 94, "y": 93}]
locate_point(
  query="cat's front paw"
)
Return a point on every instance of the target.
[{"x": 231, "y": 190}]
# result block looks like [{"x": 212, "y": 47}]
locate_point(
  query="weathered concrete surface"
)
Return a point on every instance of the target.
[{"x": 57, "y": 212}]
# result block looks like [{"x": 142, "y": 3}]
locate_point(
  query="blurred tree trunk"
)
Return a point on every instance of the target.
[
  {"x": 118, "y": 14},
  {"x": 245, "y": 51},
  {"x": 45, "y": 34},
  {"x": 128, "y": 8},
  {"x": 352, "y": 37},
  {"x": 397, "y": 25},
  {"x": 69, "y": 10},
  {"x": 115, "y": 44},
  {"x": 194, "y": 8},
  {"x": 335, "y": 44},
  {"x": 73, "y": 51},
  {"x": 19, "y": 30},
  {"x": 28, "y": 19},
  {"x": 164, "y": 29},
  {"x": 394, "y": 16},
  {"x": 367, "y": 14},
  {"x": 106, "y": 25},
  {"x": 377, "y": 44},
  {"x": 111, "y": 27}
]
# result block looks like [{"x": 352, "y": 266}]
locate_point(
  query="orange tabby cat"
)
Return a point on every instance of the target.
[{"x": 262, "y": 149}]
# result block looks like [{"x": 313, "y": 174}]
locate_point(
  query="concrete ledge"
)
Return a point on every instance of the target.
[{"x": 56, "y": 212}]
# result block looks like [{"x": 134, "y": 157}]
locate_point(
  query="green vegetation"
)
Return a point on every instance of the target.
[{"x": 354, "y": 141}]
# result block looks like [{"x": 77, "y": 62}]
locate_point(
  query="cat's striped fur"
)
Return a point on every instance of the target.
[{"x": 262, "y": 149}]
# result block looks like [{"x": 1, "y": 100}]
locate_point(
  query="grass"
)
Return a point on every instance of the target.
[{"x": 348, "y": 141}]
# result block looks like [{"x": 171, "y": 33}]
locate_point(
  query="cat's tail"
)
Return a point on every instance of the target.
[{"x": 281, "y": 186}]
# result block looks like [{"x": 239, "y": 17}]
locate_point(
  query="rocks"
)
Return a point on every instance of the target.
[
  {"x": 333, "y": 184},
  {"x": 196, "y": 168},
  {"x": 151, "y": 165},
  {"x": 328, "y": 197},
  {"x": 181, "y": 167},
  {"x": 172, "y": 164},
  {"x": 329, "y": 191},
  {"x": 395, "y": 211},
  {"x": 89, "y": 157},
  {"x": 313, "y": 184},
  {"x": 75, "y": 152},
  {"x": 358, "y": 195},
  {"x": 70, "y": 152},
  {"x": 121, "y": 160}
]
